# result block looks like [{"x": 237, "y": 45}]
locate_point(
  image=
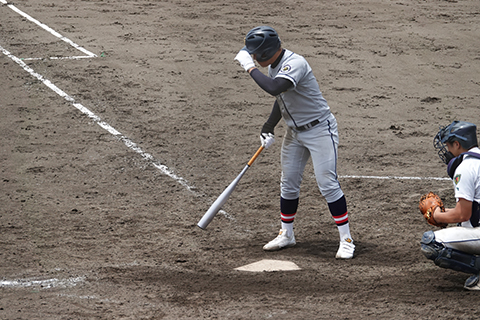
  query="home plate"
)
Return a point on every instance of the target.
[{"x": 269, "y": 265}]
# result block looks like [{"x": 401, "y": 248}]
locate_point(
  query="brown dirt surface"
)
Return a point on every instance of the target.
[{"x": 92, "y": 229}]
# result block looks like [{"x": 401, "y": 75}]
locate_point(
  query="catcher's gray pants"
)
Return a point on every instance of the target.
[{"x": 321, "y": 144}]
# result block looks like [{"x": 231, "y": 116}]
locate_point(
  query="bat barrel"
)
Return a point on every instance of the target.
[
  {"x": 218, "y": 204},
  {"x": 206, "y": 219}
]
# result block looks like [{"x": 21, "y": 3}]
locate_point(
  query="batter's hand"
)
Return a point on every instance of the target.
[
  {"x": 245, "y": 59},
  {"x": 267, "y": 139}
]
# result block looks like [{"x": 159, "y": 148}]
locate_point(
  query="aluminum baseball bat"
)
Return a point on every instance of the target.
[{"x": 223, "y": 197}]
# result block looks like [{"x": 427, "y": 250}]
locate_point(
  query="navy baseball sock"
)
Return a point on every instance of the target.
[
  {"x": 288, "y": 210},
  {"x": 339, "y": 212}
]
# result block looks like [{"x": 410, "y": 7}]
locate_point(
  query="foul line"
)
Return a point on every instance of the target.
[{"x": 54, "y": 33}]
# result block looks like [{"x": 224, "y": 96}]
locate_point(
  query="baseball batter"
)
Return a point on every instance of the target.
[
  {"x": 311, "y": 132},
  {"x": 458, "y": 247}
]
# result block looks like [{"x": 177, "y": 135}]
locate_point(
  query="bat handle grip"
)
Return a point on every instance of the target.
[{"x": 255, "y": 156}]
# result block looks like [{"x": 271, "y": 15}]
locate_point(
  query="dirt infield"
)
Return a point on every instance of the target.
[{"x": 92, "y": 229}]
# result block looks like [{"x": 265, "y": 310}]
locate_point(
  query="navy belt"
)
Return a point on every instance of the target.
[{"x": 308, "y": 125}]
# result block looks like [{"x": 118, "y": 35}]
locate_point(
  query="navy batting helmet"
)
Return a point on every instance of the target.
[
  {"x": 263, "y": 42},
  {"x": 463, "y": 132}
]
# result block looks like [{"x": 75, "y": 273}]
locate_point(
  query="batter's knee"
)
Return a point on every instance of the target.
[
  {"x": 290, "y": 188},
  {"x": 289, "y": 194},
  {"x": 332, "y": 195},
  {"x": 329, "y": 186}
]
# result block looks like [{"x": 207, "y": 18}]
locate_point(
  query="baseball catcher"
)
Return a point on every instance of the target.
[{"x": 458, "y": 247}]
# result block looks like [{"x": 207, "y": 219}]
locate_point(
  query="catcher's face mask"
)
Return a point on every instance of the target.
[{"x": 442, "y": 150}]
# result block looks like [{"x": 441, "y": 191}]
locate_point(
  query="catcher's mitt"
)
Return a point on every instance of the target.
[{"x": 427, "y": 205}]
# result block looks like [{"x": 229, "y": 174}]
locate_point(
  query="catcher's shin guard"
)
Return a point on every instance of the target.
[
  {"x": 431, "y": 248},
  {"x": 447, "y": 257}
]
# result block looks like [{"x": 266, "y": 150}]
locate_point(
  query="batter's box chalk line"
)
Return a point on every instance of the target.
[{"x": 53, "y": 32}]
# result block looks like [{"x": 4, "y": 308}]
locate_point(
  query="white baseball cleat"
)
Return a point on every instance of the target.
[
  {"x": 472, "y": 283},
  {"x": 281, "y": 241},
  {"x": 346, "y": 249}
]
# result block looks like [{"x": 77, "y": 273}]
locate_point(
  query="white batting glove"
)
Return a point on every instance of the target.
[
  {"x": 245, "y": 59},
  {"x": 267, "y": 139}
]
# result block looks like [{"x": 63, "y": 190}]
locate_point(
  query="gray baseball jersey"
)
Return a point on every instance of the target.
[{"x": 304, "y": 102}]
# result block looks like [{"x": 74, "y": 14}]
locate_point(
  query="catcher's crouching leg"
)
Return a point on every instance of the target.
[{"x": 447, "y": 257}]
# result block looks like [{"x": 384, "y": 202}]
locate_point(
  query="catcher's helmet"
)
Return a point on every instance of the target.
[
  {"x": 263, "y": 42},
  {"x": 463, "y": 132}
]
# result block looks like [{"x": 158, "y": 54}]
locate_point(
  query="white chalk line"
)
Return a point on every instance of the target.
[
  {"x": 54, "y": 33},
  {"x": 43, "y": 284},
  {"x": 392, "y": 178},
  {"x": 59, "y": 58}
]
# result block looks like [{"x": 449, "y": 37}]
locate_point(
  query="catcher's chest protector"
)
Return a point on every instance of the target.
[
  {"x": 475, "y": 218},
  {"x": 455, "y": 162}
]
